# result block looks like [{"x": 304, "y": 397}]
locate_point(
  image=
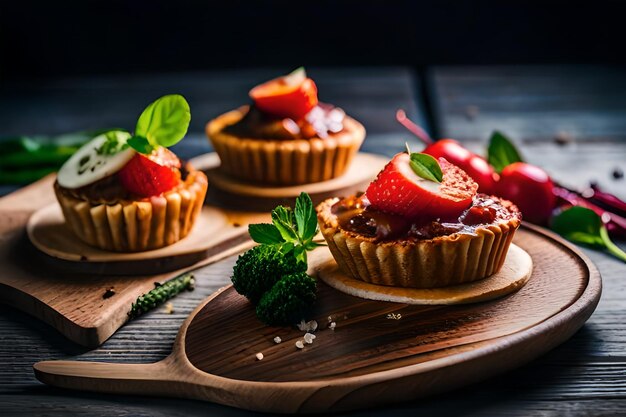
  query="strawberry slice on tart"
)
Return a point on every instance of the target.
[
  {"x": 292, "y": 96},
  {"x": 417, "y": 185},
  {"x": 151, "y": 174}
]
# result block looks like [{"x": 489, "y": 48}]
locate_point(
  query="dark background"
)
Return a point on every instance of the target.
[{"x": 67, "y": 38}]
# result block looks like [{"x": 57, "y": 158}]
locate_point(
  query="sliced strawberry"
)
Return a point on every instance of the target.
[
  {"x": 149, "y": 175},
  {"x": 291, "y": 96},
  {"x": 398, "y": 190}
]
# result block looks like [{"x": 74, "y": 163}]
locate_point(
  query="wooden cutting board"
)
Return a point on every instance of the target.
[
  {"x": 379, "y": 352},
  {"x": 68, "y": 293}
]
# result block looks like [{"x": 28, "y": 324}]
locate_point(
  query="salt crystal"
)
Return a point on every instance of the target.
[
  {"x": 309, "y": 326},
  {"x": 332, "y": 325},
  {"x": 259, "y": 356},
  {"x": 308, "y": 338},
  {"x": 299, "y": 344},
  {"x": 169, "y": 308},
  {"x": 277, "y": 339}
]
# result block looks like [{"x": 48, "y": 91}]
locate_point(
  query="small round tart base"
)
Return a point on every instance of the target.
[
  {"x": 48, "y": 232},
  {"x": 515, "y": 272},
  {"x": 231, "y": 192}
]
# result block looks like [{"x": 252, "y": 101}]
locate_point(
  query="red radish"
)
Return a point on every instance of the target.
[
  {"x": 149, "y": 175},
  {"x": 399, "y": 190},
  {"x": 475, "y": 166},
  {"x": 530, "y": 188},
  {"x": 291, "y": 96}
]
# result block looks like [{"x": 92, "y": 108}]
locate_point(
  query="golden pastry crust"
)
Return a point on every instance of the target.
[
  {"x": 284, "y": 162},
  {"x": 445, "y": 260},
  {"x": 130, "y": 226}
]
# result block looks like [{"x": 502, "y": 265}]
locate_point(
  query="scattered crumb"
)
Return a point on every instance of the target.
[
  {"x": 299, "y": 344},
  {"x": 259, "y": 356},
  {"x": 617, "y": 173},
  {"x": 563, "y": 138},
  {"x": 308, "y": 338},
  {"x": 110, "y": 292},
  {"x": 332, "y": 325},
  {"x": 309, "y": 326},
  {"x": 394, "y": 316},
  {"x": 157, "y": 284},
  {"x": 277, "y": 339},
  {"x": 235, "y": 224},
  {"x": 169, "y": 308},
  {"x": 330, "y": 318}
]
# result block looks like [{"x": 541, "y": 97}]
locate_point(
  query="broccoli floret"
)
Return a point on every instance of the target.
[
  {"x": 288, "y": 301},
  {"x": 258, "y": 269}
]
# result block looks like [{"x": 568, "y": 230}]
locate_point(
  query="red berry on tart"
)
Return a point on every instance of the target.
[
  {"x": 291, "y": 96},
  {"x": 286, "y": 136},
  {"x": 130, "y": 193},
  {"x": 419, "y": 224}
]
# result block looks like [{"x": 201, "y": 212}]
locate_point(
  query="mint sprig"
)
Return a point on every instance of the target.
[
  {"x": 292, "y": 230},
  {"x": 501, "y": 152},
  {"x": 163, "y": 123},
  {"x": 425, "y": 166}
]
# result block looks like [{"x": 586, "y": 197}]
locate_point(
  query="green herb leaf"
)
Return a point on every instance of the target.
[
  {"x": 265, "y": 234},
  {"x": 283, "y": 219},
  {"x": 582, "y": 225},
  {"x": 165, "y": 121},
  {"x": 116, "y": 141},
  {"x": 306, "y": 218},
  {"x": 140, "y": 144},
  {"x": 160, "y": 294},
  {"x": 426, "y": 167},
  {"x": 501, "y": 152},
  {"x": 300, "y": 253}
]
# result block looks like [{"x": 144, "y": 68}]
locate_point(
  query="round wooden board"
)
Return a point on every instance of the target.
[
  {"x": 231, "y": 193},
  {"x": 47, "y": 231},
  {"x": 514, "y": 274},
  {"x": 370, "y": 358}
]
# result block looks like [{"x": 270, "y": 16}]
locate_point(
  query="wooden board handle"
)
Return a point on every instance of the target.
[{"x": 114, "y": 378}]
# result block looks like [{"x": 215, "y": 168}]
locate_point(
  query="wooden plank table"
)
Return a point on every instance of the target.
[{"x": 586, "y": 375}]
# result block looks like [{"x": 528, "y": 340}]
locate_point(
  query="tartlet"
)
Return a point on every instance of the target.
[
  {"x": 271, "y": 143},
  {"x": 118, "y": 199},
  {"x": 422, "y": 250}
]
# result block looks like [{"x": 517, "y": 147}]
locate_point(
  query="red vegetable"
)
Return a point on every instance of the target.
[
  {"x": 530, "y": 188},
  {"x": 153, "y": 174}
]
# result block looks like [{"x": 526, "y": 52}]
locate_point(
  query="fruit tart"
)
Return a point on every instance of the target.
[
  {"x": 285, "y": 136},
  {"x": 130, "y": 193},
  {"x": 419, "y": 224}
]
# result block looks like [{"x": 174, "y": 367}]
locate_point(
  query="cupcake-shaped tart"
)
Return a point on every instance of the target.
[
  {"x": 130, "y": 193},
  {"x": 419, "y": 224},
  {"x": 286, "y": 136}
]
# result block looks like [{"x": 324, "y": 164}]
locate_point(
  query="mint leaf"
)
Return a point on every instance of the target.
[
  {"x": 306, "y": 218},
  {"x": 501, "y": 152},
  {"x": 283, "y": 219},
  {"x": 140, "y": 144},
  {"x": 265, "y": 233},
  {"x": 582, "y": 225},
  {"x": 165, "y": 121},
  {"x": 426, "y": 166}
]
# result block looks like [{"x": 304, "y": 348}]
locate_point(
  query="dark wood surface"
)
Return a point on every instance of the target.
[{"x": 585, "y": 376}]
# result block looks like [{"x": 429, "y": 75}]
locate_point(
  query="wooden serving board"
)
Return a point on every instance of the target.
[
  {"x": 369, "y": 359},
  {"x": 69, "y": 295}
]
